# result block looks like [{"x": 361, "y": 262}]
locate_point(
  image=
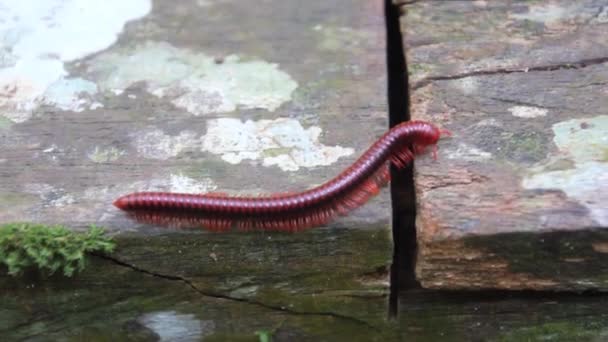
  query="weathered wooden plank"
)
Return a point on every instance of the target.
[
  {"x": 197, "y": 96},
  {"x": 113, "y": 302},
  {"x": 193, "y": 97},
  {"x": 518, "y": 196},
  {"x": 501, "y": 316},
  {"x": 321, "y": 271}
]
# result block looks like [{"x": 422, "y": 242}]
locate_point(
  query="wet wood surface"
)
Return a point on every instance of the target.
[
  {"x": 517, "y": 199},
  {"x": 114, "y": 302}
]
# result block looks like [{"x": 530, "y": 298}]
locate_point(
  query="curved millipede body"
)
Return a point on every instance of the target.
[{"x": 290, "y": 212}]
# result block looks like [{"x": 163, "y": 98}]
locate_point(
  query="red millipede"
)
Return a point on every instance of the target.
[{"x": 290, "y": 212}]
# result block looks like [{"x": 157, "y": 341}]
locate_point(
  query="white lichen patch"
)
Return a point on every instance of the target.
[
  {"x": 23, "y": 83},
  {"x": 527, "y": 112},
  {"x": 155, "y": 144},
  {"x": 199, "y": 83},
  {"x": 281, "y": 142},
  {"x": 105, "y": 155},
  {"x": 466, "y": 152},
  {"x": 184, "y": 184},
  {"x": 38, "y": 37},
  {"x": 50, "y": 196},
  {"x": 170, "y": 183},
  {"x": 70, "y": 94},
  {"x": 587, "y": 183},
  {"x": 468, "y": 85},
  {"x": 490, "y": 122},
  {"x": 584, "y": 141},
  {"x": 548, "y": 13}
]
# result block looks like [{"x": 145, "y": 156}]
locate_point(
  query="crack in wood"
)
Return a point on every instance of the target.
[
  {"x": 403, "y": 194},
  {"x": 523, "y": 103},
  {"x": 215, "y": 295},
  {"x": 505, "y": 71}
]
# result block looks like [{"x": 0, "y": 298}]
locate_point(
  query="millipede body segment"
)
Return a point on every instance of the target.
[{"x": 290, "y": 212}]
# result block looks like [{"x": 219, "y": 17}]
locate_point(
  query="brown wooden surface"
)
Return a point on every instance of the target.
[{"x": 517, "y": 198}]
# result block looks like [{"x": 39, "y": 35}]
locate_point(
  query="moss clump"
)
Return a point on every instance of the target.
[{"x": 48, "y": 248}]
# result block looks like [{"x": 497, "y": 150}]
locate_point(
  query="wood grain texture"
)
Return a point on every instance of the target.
[
  {"x": 110, "y": 301},
  {"x": 205, "y": 96},
  {"x": 225, "y": 96},
  {"x": 517, "y": 200},
  {"x": 192, "y": 287}
]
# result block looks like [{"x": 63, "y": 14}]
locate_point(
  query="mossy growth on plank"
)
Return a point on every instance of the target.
[{"x": 49, "y": 249}]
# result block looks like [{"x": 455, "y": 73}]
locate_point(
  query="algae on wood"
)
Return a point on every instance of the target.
[{"x": 113, "y": 302}]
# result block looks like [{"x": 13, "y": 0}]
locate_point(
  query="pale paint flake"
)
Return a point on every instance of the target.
[
  {"x": 584, "y": 141},
  {"x": 193, "y": 80},
  {"x": 281, "y": 142},
  {"x": 40, "y": 36},
  {"x": 469, "y": 153},
  {"x": 527, "y": 112}
]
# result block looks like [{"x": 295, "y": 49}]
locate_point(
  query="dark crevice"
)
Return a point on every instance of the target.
[
  {"x": 402, "y": 181},
  {"x": 407, "y": 2},
  {"x": 505, "y": 71},
  {"x": 215, "y": 295},
  {"x": 451, "y": 297}
]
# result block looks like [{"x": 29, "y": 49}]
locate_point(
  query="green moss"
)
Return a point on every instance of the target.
[
  {"x": 323, "y": 270},
  {"x": 529, "y": 146},
  {"x": 264, "y": 336},
  {"x": 48, "y": 248},
  {"x": 558, "y": 331}
]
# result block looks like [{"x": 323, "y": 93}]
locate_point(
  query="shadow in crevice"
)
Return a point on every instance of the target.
[{"x": 402, "y": 181}]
